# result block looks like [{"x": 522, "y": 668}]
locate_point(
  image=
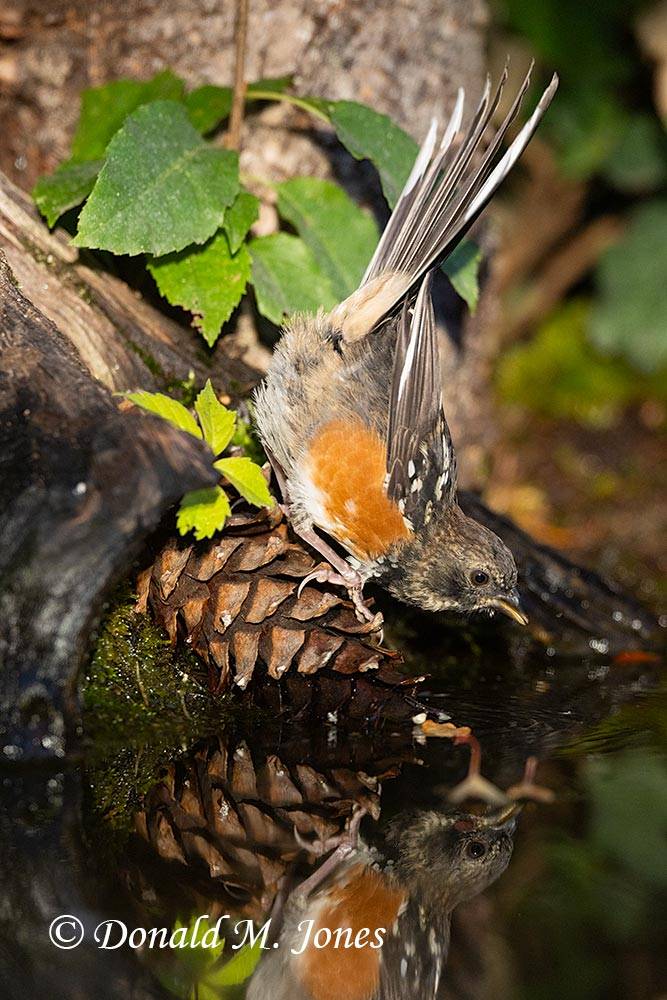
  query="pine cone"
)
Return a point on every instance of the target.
[
  {"x": 225, "y": 823},
  {"x": 235, "y": 601}
]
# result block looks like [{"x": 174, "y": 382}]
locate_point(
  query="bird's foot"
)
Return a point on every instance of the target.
[
  {"x": 527, "y": 790},
  {"x": 476, "y": 786},
  {"x": 352, "y": 582},
  {"x": 341, "y": 847}
]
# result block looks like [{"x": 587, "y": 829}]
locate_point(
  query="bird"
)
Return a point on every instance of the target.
[
  {"x": 351, "y": 411},
  {"x": 373, "y": 922}
]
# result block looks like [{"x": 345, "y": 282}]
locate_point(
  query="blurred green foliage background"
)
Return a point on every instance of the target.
[{"x": 584, "y": 282}]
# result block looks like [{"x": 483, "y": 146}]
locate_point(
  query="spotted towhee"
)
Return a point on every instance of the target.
[
  {"x": 373, "y": 922},
  {"x": 351, "y": 410}
]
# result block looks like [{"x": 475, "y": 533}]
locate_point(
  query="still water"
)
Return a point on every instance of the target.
[{"x": 553, "y": 899}]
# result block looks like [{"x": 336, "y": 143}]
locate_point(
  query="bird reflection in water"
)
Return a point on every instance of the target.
[{"x": 373, "y": 922}]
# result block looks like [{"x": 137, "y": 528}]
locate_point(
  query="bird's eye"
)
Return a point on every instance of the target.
[
  {"x": 479, "y": 577},
  {"x": 476, "y": 849}
]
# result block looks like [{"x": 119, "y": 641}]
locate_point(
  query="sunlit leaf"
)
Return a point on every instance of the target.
[
  {"x": 341, "y": 236},
  {"x": 247, "y": 478},
  {"x": 208, "y": 281},
  {"x": 217, "y": 422},
  {"x": 286, "y": 277},
  {"x": 203, "y": 512},
  {"x": 167, "y": 408},
  {"x": 161, "y": 188}
]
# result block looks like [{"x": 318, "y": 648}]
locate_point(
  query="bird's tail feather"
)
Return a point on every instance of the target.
[{"x": 443, "y": 196}]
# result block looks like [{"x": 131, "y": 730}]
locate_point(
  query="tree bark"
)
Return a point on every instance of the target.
[{"x": 81, "y": 485}]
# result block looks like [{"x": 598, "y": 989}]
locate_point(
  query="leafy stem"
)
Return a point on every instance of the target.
[{"x": 298, "y": 102}]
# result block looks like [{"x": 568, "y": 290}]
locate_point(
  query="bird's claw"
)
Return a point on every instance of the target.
[{"x": 352, "y": 582}]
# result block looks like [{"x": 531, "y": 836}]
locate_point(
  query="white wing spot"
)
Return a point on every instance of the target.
[{"x": 411, "y": 468}]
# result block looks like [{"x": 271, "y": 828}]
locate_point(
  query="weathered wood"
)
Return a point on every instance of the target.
[
  {"x": 123, "y": 341},
  {"x": 80, "y": 486}
]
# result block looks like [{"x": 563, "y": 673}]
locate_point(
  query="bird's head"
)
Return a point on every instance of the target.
[
  {"x": 452, "y": 856},
  {"x": 456, "y": 564}
]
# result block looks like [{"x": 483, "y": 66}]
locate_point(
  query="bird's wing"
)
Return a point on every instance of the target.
[
  {"x": 421, "y": 465},
  {"x": 447, "y": 189}
]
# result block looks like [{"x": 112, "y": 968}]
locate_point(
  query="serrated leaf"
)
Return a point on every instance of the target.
[
  {"x": 462, "y": 269},
  {"x": 369, "y": 135},
  {"x": 208, "y": 106},
  {"x": 104, "y": 109},
  {"x": 287, "y": 278},
  {"x": 204, "y": 512},
  {"x": 161, "y": 188},
  {"x": 247, "y": 478},
  {"x": 341, "y": 236},
  {"x": 217, "y": 422},
  {"x": 66, "y": 188},
  {"x": 630, "y": 311},
  {"x": 208, "y": 281},
  {"x": 167, "y": 408},
  {"x": 239, "y": 217}
]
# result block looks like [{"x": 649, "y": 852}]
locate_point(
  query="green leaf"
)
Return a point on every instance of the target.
[
  {"x": 630, "y": 314},
  {"x": 239, "y": 217},
  {"x": 204, "y": 512},
  {"x": 273, "y": 84},
  {"x": 286, "y": 277},
  {"x": 341, "y": 236},
  {"x": 67, "y": 187},
  {"x": 161, "y": 188},
  {"x": 208, "y": 281},
  {"x": 104, "y": 109},
  {"x": 231, "y": 973},
  {"x": 462, "y": 269},
  {"x": 247, "y": 478},
  {"x": 167, "y": 408},
  {"x": 217, "y": 422},
  {"x": 208, "y": 106},
  {"x": 369, "y": 135}
]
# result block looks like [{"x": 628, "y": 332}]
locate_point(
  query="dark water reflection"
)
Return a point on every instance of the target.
[{"x": 578, "y": 910}]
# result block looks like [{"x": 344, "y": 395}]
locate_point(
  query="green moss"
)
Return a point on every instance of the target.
[{"x": 144, "y": 703}]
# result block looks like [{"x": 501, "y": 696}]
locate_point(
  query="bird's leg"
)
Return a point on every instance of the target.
[
  {"x": 342, "y": 574},
  {"x": 474, "y": 786},
  {"x": 527, "y": 789},
  {"x": 344, "y": 846}
]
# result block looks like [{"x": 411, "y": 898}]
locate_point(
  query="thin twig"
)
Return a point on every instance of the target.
[{"x": 233, "y": 139}]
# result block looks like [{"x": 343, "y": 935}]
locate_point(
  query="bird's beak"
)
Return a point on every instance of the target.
[{"x": 510, "y": 606}]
